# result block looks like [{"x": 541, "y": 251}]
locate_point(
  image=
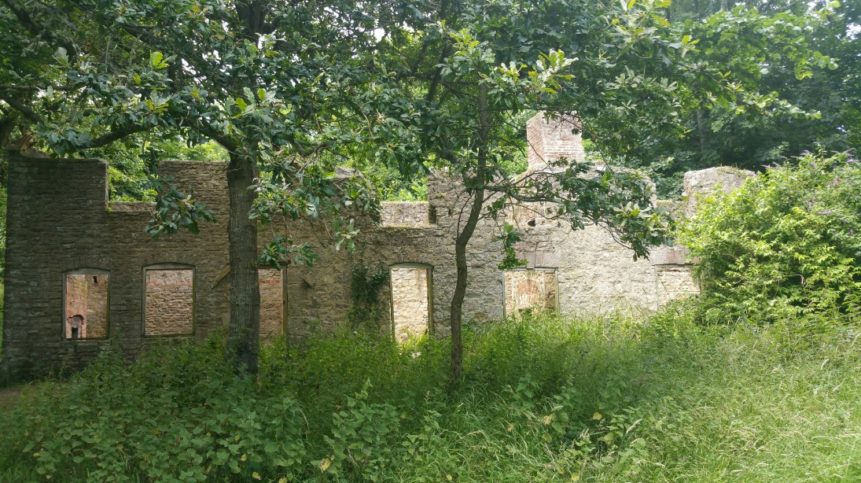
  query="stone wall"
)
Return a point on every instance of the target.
[
  {"x": 698, "y": 184},
  {"x": 404, "y": 213},
  {"x": 595, "y": 274},
  {"x": 52, "y": 233},
  {"x": 535, "y": 290},
  {"x": 550, "y": 140}
]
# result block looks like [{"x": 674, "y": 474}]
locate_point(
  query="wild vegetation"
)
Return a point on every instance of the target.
[
  {"x": 758, "y": 378},
  {"x": 545, "y": 399},
  {"x": 289, "y": 93},
  {"x": 787, "y": 242},
  {"x": 695, "y": 392}
]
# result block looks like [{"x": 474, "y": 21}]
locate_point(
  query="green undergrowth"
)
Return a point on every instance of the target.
[
  {"x": 2, "y": 312},
  {"x": 543, "y": 399}
]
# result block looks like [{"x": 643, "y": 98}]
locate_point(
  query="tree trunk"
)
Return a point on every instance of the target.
[
  {"x": 464, "y": 236},
  {"x": 701, "y": 131},
  {"x": 243, "y": 339},
  {"x": 460, "y": 285}
]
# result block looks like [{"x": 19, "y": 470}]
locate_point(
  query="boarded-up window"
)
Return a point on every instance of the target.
[
  {"x": 169, "y": 301},
  {"x": 410, "y": 300},
  {"x": 86, "y": 304},
  {"x": 271, "y": 303},
  {"x": 533, "y": 289}
]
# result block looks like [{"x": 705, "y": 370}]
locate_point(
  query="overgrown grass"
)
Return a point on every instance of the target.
[
  {"x": 2, "y": 312},
  {"x": 542, "y": 400}
]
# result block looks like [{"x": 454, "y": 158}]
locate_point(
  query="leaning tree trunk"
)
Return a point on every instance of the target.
[{"x": 243, "y": 339}]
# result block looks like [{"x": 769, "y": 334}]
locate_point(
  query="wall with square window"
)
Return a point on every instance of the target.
[
  {"x": 169, "y": 301},
  {"x": 271, "y": 303},
  {"x": 410, "y": 300},
  {"x": 533, "y": 290},
  {"x": 86, "y": 304}
]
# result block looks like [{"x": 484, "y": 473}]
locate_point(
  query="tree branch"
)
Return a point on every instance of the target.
[
  {"x": 114, "y": 135},
  {"x": 37, "y": 30},
  {"x": 19, "y": 106},
  {"x": 225, "y": 141},
  {"x": 98, "y": 142}
]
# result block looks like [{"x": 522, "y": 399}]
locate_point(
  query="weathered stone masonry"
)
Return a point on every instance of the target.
[{"x": 176, "y": 286}]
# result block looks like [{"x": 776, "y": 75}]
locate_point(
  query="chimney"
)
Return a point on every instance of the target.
[{"x": 553, "y": 139}]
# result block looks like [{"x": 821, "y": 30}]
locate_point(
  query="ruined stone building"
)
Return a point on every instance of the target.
[{"x": 82, "y": 274}]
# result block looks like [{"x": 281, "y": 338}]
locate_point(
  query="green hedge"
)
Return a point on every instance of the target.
[{"x": 787, "y": 242}]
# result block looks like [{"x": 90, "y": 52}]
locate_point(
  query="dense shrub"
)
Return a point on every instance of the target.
[{"x": 787, "y": 242}]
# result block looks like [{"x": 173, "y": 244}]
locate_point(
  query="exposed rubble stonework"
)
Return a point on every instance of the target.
[
  {"x": 534, "y": 290},
  {"x": 701, "y": 183},
  {"x": 53, "y": 233},
  {"x": 271, "y": 302}
]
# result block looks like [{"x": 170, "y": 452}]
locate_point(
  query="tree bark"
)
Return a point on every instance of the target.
[
  {"x": 243, "y": 339},
  {"x": 460, "y": 285},
  {"x": 701, "y": 131},
  {"x": 465, "y": 235}
]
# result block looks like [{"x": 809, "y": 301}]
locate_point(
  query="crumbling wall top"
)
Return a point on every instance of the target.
[{"x": 706, "y": 181}]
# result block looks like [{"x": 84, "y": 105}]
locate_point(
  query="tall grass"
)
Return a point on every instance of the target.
[
  {"x": 543, "y": 399},
  {"x": 2, "y": 312}
]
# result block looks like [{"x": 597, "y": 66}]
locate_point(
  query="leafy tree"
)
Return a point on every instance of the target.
[
  {"x": 290, "y": 91},
  {"x": 761, "y": 83},
  {"x": 647, "y": 93},
  {"x": 464, "y": 69},
  {"x": 701, "y": 9},
  {"x": 261, "y": 79}
]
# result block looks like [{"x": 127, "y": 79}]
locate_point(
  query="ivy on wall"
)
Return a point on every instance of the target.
[{"x": 365, "y": 310}]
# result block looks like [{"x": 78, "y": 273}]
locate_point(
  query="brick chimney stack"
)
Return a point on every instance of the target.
[{"x": 553, "y": 139}]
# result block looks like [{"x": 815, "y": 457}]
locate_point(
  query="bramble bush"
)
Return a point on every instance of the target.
[{"x": 787, "y": 243}]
